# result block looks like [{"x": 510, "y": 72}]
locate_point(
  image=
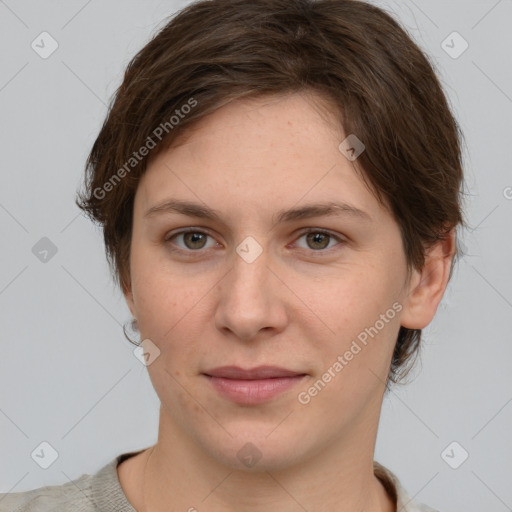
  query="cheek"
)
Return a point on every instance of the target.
[
  {"x": 161, "y": 297},
  {"x": 174, "y": 391},
  {"x": 172, "y": 313},
  {"x": 363, "y": 320},
  {"x": 354, "y": 370},
  {"x": 352, "y": 301}
]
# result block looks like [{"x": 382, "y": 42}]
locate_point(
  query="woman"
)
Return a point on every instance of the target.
[{"x": 282, "y": 223}]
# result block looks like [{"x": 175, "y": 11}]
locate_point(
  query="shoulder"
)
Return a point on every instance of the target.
[
  {"x": 392, "y": 484},
  {"x": 71, "y": 497},
  {"x": 100, "y": 491}
]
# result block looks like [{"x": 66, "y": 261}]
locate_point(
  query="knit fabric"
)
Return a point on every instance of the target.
[{"x": 102, "y": 492}]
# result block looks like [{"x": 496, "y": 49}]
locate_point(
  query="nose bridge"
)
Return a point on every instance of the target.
[
  {"x": 249, "y": 277},
  {"x": 248, "y": 300}
]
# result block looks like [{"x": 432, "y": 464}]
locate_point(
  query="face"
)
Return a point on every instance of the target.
[{"x": 256, "y": 273}]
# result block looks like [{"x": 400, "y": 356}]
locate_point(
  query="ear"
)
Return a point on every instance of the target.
[{"x": 427, "y": 286}]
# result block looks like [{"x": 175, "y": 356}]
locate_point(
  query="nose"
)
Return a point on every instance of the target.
[{"x": 251, "y": 302}]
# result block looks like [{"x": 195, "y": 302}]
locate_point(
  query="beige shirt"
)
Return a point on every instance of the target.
[{"x": 102, "y": 492}]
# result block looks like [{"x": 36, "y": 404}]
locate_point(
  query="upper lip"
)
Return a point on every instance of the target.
[{"x": 260, "y": 372}]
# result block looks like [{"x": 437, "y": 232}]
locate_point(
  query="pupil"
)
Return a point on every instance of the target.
[
  {"x": 317, "y": 237},
  {"x": 195, "y": 238}
]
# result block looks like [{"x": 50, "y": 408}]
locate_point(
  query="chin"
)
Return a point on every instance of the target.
[{"x": 255, "y": 452}]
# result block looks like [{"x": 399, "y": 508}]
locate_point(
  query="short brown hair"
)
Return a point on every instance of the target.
[{"x": 350, "y": 53}]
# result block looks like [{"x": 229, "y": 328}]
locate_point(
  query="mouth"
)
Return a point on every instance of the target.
[{"x": 252, "y": 386}]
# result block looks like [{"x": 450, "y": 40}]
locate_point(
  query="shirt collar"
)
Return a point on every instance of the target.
[
  {"x": 393, "y": 486},
  {"x": 108, "y": 495}
]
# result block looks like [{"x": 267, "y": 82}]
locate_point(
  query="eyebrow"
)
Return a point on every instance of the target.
[{"x": 304, "y": 212}]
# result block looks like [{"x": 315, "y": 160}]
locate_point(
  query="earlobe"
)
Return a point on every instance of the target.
[{"x": 427, "y": 286}]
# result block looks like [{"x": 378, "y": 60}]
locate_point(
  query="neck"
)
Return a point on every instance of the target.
[{"x": 179, "y": 476}]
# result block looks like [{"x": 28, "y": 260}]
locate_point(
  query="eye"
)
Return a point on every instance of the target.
[
  {"x": 317, "y": 240},
  {"x": 194, "y": 240}
]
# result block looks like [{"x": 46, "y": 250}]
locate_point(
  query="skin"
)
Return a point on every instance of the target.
[{"x": 299, "y": 305}]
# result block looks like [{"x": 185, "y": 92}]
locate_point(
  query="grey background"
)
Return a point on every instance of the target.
[{"x": 67, "y": 374}]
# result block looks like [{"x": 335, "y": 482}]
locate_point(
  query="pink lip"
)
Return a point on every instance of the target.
[{"x": 252, "y": 386}]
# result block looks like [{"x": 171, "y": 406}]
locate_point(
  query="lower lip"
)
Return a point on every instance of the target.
[{"x": 253, "y": 391}]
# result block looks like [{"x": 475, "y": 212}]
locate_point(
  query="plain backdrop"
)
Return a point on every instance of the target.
[{"x": 68, "y": 376}]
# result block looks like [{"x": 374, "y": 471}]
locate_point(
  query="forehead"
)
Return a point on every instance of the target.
[{"x": 260, "y": 153}]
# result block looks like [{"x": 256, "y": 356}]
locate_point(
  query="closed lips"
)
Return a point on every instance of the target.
[{"x": 262, "y": 372}]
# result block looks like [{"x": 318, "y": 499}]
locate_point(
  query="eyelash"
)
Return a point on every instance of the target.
[{"x": 318, "y": 252}]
